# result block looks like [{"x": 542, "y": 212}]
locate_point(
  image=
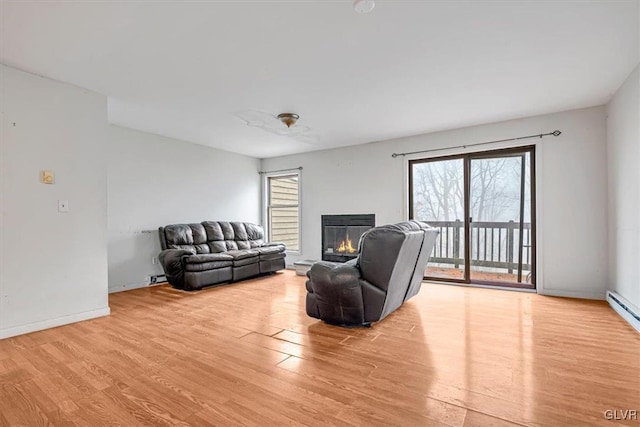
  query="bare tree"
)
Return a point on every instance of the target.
[
  {"x": 438, "y": 189},
  {"x": 490, "y": 195}
]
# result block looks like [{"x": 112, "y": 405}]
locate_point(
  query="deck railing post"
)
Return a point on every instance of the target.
[
  {"x": 510, "y": 246},
  {"x": 456, "y": 242}
]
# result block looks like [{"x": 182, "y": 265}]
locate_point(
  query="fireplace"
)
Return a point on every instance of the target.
[{"x": 341, "y": 234}]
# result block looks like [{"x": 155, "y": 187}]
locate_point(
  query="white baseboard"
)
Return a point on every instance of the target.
[
  {"x": 52, "y": 323},
  {"x": 628, "y": 313},
  {"x": 597, "y": 295},
  {"x": 128, "y": 287}
]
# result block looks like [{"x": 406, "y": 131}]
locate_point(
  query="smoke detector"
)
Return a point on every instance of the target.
[{"x": 364, "y": 6}]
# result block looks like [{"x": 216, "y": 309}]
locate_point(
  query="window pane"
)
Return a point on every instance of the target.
[
  {"x": 284, "y": 211},
  {"x": 283, "y": 190},
  {"x": 284, "y": 226},
  {"x": 495, "y": 203},
  {"x": 438, "y": 199}
]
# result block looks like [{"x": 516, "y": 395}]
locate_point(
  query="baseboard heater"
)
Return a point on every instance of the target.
[{"x": 624, "y": 308}]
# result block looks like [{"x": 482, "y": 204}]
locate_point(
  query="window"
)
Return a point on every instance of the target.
[{"x": 283, "y": 210}]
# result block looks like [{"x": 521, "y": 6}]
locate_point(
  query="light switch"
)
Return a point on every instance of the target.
[{"x": 63, "y": 206}]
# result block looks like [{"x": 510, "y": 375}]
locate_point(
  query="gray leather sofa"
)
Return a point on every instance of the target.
[
  {"x": 387, "y": 272},
  {"x": 212, "y": 252}
]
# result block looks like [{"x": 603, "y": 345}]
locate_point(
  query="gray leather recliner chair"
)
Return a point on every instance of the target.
[{"x": 387, "y": 272}]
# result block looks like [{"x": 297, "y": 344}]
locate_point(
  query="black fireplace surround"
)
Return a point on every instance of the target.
[{"x": 341, "y": 234}]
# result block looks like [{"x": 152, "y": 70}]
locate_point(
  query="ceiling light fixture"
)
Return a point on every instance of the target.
[
  {"x": 363, "y": 6},
  {"x": 289, "y": 119}
]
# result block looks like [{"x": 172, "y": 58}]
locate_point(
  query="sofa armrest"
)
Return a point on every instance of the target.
[
  {"x": 172, "y": 261},
  {"x": 338, "y": 293},
  {"x": 273, "y": 244}
]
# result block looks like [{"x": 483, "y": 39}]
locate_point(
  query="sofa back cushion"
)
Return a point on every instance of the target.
[{"x": 211, "y": 236}]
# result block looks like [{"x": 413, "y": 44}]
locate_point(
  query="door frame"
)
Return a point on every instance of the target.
[{"x": 467, "y": 157}]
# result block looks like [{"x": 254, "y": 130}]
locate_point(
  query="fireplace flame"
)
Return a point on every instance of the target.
[{"x": 346, "y": 246}]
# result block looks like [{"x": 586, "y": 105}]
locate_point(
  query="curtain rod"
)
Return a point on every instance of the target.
[
  {"x": 554, "y": 133},
  {"x": 299, "y": 168}
]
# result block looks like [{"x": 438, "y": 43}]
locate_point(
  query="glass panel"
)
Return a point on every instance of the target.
[
  {"x": 283, "y": 191},
  {"x": 496, "y": 198},
  {"x": 284, "y": 227},
  {"x": 343, "y": 240},
  {"x": 283, "y": 211},
  {"x": 438, "y": 199}
]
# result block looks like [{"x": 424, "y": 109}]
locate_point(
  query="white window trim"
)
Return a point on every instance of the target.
[{"x": 265, "y": 205}]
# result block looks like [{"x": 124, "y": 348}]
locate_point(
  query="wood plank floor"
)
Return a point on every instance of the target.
[{"x": 247, "y": 354}]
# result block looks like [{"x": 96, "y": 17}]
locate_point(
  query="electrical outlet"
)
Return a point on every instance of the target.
[
  {"x": 154, "y": 279},
  {"x": 154, "y": 260}
]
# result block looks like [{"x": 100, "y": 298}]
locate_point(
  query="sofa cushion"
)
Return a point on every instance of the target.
[
  {"x": 214, "y": 231},
  {"x": 191, "y": 237},
  {"x": 204, "y": 266},
  {"x": 219, "y": 246},
  {"x": 230, "y": 236},
  {"x": 255, "y": 234},
  {"x": 243, "y": 244},
  {"x": 242, "y": 254},
  {"x": 244, "y": 257},
  {"x": 179, "y": 234},
  {"x": 202, "y": 258},
  {"x": 227, "y": 230},
  {"x": 239, "y": 231}
]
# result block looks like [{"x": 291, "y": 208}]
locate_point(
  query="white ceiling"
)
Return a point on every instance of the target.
[{"x": 188, "y": 69}]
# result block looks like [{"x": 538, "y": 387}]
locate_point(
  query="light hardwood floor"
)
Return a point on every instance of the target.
[{"x": 247, "y": 354}]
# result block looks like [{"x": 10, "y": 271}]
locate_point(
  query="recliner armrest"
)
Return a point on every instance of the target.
[
  {"x": 169, "y": 257},
  {"x": 333, "y": 273},
  {"x": 173, "y": 265},
  {"x": 338, "y": 293}
]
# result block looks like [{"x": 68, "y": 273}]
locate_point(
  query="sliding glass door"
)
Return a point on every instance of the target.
[{"x": 483, "y": 204}]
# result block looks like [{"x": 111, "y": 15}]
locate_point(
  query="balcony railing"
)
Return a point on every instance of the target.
[{"x": 493, "y": 244}]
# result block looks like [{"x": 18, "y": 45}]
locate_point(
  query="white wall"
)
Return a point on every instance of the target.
[
  {"x": 53, "y": 266},
  {"x": 572, "y": 191},
  {"x": 155, "y": 181},
  {"x": 623, "y": 153}
]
